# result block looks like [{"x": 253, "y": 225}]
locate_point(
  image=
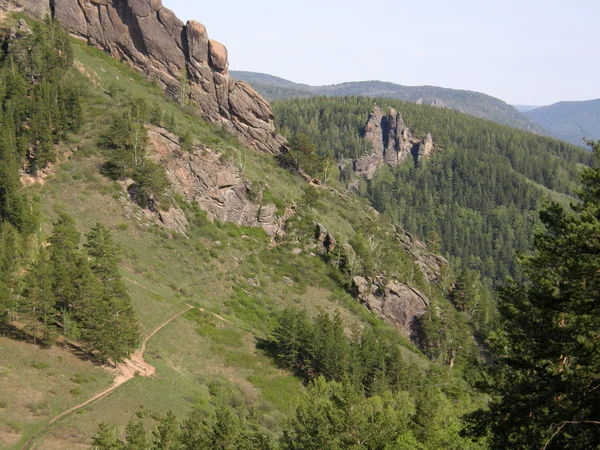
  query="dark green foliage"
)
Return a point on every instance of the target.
[
  {"x": 135, "y": 436},
  {"x": 319, "y": 347},
  {"x": 166, "y": 434},
  {"x": 544, "y": 376},
  {"x": 111, "y": 327},
  {"x": 40, "y": 99},
  {"x": 478, "y": 194},
  {"x": 224, "y": 431},
  {"x": 302, "y": 156},
  {"x": 83, "y": 292},
  {"x": 106, "y": 438},
  {"x": 39, "y": 308}
]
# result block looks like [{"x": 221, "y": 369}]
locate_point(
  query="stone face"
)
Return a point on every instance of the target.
[
  {"x": 154, "y": 41},
  {"x": 216, "y": 186},
  {"x": 366, "y": 165},
  {"x": 391, "y": 142},
  {"x": 395, "y": 302},
  {"x": 36, "y": 8}
]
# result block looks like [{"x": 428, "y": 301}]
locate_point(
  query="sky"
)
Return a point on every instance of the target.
[{"x": 526, "y": 52}]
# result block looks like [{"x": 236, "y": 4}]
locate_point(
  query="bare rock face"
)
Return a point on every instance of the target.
[
  {"x": 150, "y": 38},
  {"x": 393, "y": 301},
  {"x": 425, "y": 148},
  {"x": 35, "y": 8},
  {"x": 325, "y": 241},
  {"x": 391, "y": 142},
  {"x": 366, "y": 166},
  {"x": 215, "y": 185},
  {"x": 432, "y": 266}
]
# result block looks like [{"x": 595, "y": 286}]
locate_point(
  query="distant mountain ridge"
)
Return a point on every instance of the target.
[
  {"x": 470, "y": 102},
  {"x": 570, "y": 121}
]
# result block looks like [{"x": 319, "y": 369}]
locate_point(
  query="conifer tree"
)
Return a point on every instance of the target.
[
  {"x": 545, "y": 376},
  {"x": 39, "y": 305},
  {"x": 64, "y": 260},
  {"x": 112, "y": 323}
]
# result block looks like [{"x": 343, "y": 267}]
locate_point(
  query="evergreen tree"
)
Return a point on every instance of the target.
[
  {"x": 111, "y": 325},
  {"x": 166, "y": 434},
  {"x": 106, "y": 438},
  {"x": 64, "y": 264},
  {"x": 545, "y": 375},
  {"x": 135, "y": 436},
  {"x": 39, "y": 305}
]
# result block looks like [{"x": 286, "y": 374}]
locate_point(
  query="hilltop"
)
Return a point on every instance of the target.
[
  {"x": 570, "y": 121},
  {"x": 470, "y": 102}
]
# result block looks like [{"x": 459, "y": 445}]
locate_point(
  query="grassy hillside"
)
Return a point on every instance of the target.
[
  {"x": 470, "y": 102},
  {"x": 236, "y": 280},
  {"x": 570, "y": 121}
]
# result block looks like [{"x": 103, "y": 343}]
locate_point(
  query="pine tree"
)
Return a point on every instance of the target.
[
  {"x": 166, "y": 434},
  {"x": 112, "y": 323},
  {"x": 64, "y": 259},
  {"x": 135, "y": 436},
  {"x": 545, "y": 376},
  {"x": 106, "y": 438},
  {"x": 38, "y": 307}
]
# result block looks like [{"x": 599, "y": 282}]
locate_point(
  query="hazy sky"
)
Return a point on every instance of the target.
[{"x": 531, "y": 52}]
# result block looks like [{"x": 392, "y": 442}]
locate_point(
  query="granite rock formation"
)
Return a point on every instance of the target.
[
  {"x": 395, "y": 302},
  {"x": 218, "y": 187},
  {"x": 150, "y": 38},
  {"x": 391, "y": 142}
]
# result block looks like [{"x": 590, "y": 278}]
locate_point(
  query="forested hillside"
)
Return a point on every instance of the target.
[
  {"x": 570, "y": 121},
  {"x": 476, "y": 198},
  {"x": 470, "y": 102}
]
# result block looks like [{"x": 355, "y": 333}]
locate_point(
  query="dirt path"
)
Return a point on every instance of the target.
[{"x": 124, "y": 372}]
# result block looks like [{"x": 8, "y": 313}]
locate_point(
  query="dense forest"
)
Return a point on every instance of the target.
[{"x": 476, "y": 198}]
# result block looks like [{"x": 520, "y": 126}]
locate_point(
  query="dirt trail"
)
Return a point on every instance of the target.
[{"x": 124, "y": 372}]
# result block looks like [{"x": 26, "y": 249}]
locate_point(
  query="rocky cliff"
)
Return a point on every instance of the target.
[
  {"x": 216, "y": 186},
  {"x": 391, "y": 142},
  {"x": 153, "y": 40}
]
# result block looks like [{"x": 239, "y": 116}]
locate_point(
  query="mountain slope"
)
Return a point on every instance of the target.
[
  {"x": 570, "y": 121},
  {"x": 473, "y": 103},
  {"x": 191, "y": 246},
  {"x": 479, "y": 193}
]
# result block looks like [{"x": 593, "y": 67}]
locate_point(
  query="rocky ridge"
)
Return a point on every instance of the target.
[
  {"x": 150, "y": 38},
  {"x": 392, "y": 143}
]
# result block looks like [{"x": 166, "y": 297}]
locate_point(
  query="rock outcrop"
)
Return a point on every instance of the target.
[
  {"x": 150, "y": 38},
  {"x": 391, "y": 142},
  {"x": 436, "y": 103},
  {"x": 218, "y": 187},
  {"x": 395, "y": 302}
]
